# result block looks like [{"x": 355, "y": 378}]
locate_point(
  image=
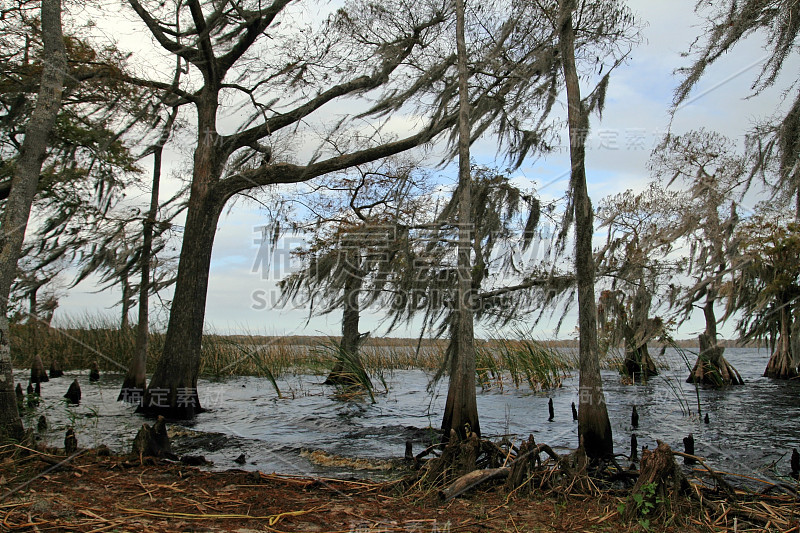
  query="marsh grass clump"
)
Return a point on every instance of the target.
[
  {"x": 532, "y": 362},
  {"x": 76, "y": 344}
]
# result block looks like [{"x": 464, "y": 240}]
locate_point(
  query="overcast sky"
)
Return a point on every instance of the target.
[{"x": 635, "y": 118}]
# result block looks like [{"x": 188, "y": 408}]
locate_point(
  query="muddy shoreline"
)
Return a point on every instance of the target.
[{"x": 113, "y": 493}]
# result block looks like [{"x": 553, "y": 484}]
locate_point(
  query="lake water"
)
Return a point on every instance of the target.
[{"x": 752, "y": 428}]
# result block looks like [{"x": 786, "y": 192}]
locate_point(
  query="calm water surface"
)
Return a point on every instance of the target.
[{"x": 752, "y": 429}]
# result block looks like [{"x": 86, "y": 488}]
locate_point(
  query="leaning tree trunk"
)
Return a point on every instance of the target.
[
  {"x": 135, "y": 381},
  {"x": 711, "y": 367},
  {"x": 461, "y": 407},
  {"x": 23, "y": 189},
  {"x": 173, "y": 388},
  {"x": 780, "y": 364},
  {"x": 594, "y": 427},
  {"x": 348, "y": 362}
]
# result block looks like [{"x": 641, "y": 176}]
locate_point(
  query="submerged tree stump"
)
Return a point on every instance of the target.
[
  {"x": 153, "y": 441},
  {"x": 661, "y": 486},
  {"x": 711, "y": 367}
]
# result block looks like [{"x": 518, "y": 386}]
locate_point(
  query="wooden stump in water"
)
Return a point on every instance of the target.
[
  {"x": 550, "y": 410},
  {"x": 795, "y": 463},
  {"x": 94, "y": 372},
  {"x": 41, "y": 425},
  {"x": 73, "y": 394},
  {"x": 574, "y": 412},
  {"x": 38, "y": 374},
  {"x": 688, "y": 449},
  {"x": 70, "y": 442},
  {"x": 55, "y": 369},
  {"x": 634, "y": 448},
  {"x": 634, "y": 418},
  {"x": 153, "y": 441}
]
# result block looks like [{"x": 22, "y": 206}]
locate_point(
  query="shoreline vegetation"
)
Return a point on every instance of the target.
[
  {"x": 77, "y": 345},
  {"x": 516, "y": 487}
]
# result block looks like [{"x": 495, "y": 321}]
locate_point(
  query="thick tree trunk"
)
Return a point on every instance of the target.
[
  {"x": 23, "y": 189},
  {"x": 351, "y": 338},
  {"x": 461, "y": 407},
  {"x": 781, "y": 363},
  {"x": 711, "y": 367},
  {"x": 594, "y": 427},
  {"x": 173, "y": 388},
  {"x": 135, "y": 382},
  {"x": 638, "y": 363}
]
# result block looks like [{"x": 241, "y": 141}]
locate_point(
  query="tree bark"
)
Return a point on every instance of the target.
[
  {"x": 124, "y": 323},
  {"x": 637, "y": 357},
  {"x": 711, "y": 367},
  {"x": 23, "y": 188},
  {"x": 173, "y": 388},
  {"x": 780, "y": 365},
  {"x": 594, "y": 427},
  {"x": 135, "y": 381},
  {"x": 461, "y": 407},
  {"x": 351, "y": 338}
]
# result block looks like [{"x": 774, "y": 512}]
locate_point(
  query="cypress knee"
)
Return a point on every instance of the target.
[
  {"x": 688, "y": 448},
  {"x": 55, "y": 369},
  {"x": 73, "y": 394},
  {"x": 38, "y": 374},
  {"x": 94, "y": 372},
  {"x": 70, "y": 442}
]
